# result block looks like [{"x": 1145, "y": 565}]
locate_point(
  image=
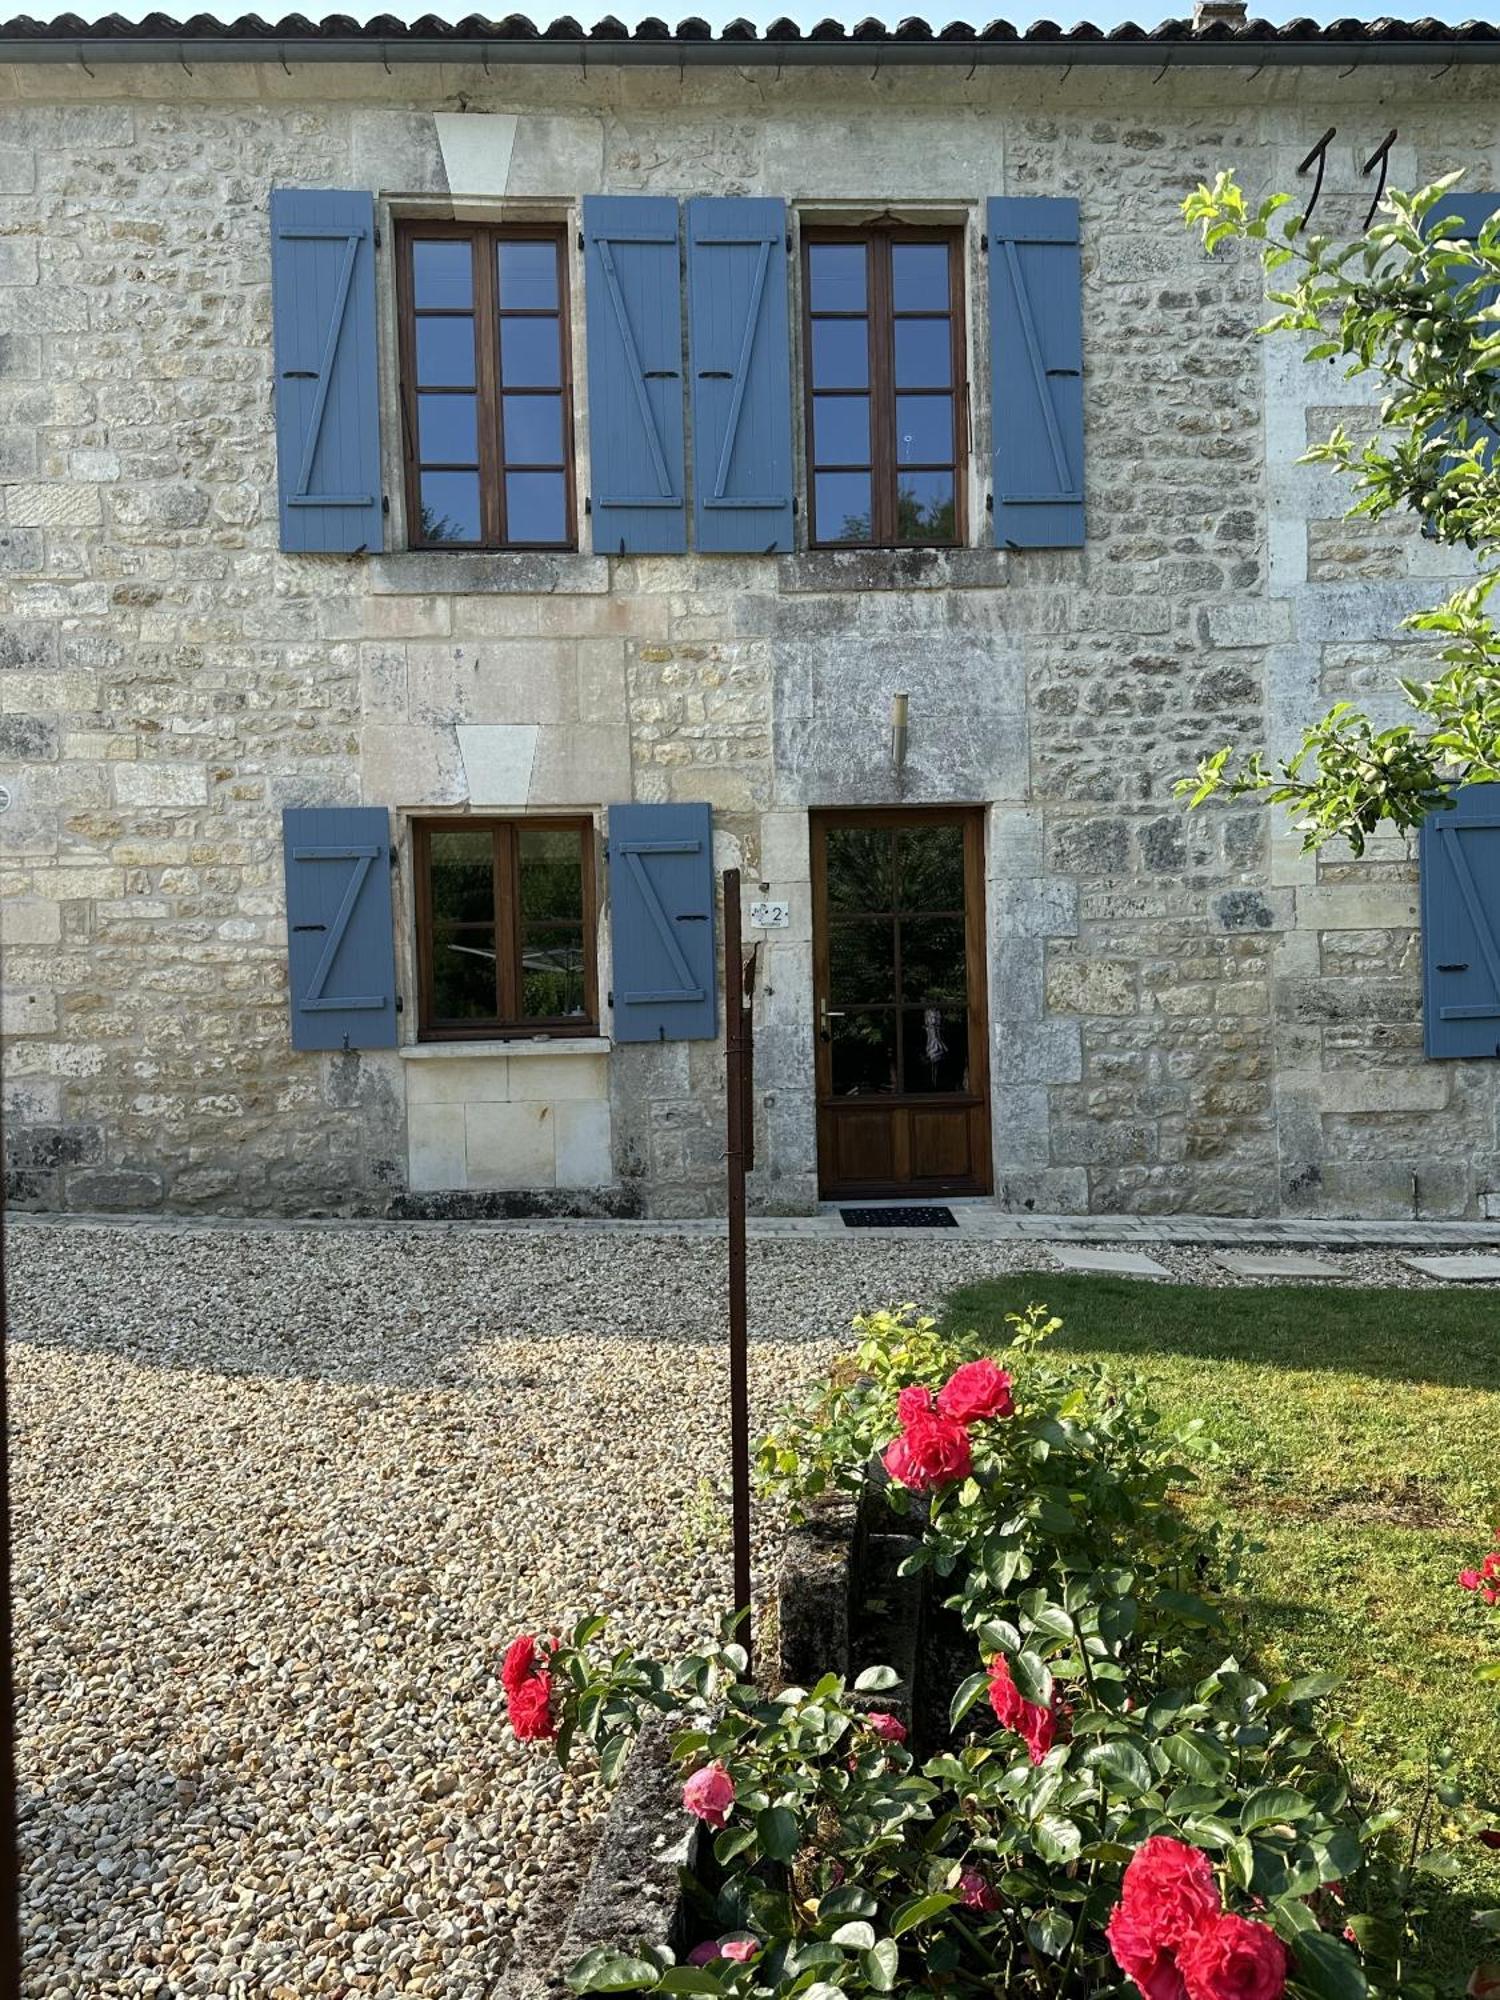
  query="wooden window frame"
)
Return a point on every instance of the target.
[
  {"x": 488, "y": 388},
  {"x": 507, "y": 1024},
  {"x": 884, "y": 469}
]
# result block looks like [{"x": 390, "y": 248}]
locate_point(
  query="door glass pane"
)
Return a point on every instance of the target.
[
  {"x": 931, "y": 860},
  {"x": 445, "y": 353},
  {"x": 463, "y": 973},
  {"x": 836, "y": 277},
  {"x": 550, "y": 860},
  {"x": 924, "y": 353},
  {"x": 861, "y": 960},
  {"x": 462, "y": 862},
  {"x": 530, "y": 354},
  {"x": 924, "y": 507},
  {"x": 934, "y": 1050},
  {"x": 924, "y": 430},
  {"x": 528, "y": 276},
  {"x": 841, "y": 430},
  {"x": 841, "y": 502},
  {"x": 864, "y": 1053},
  {"x": 841, "y": 354},
  {"x": 450, "y": 507},
  {"x": 551, "y": 971},
  {"x": 442, "y": 274},
  {"x": 933, "y": 965},
  {"x": 447, "y": 433},
  {"x": 860, "y": 868},
  {"x": 533, "y": 430},
  {"x": 536, "y": 507},
  {"x": 919, "y": 277}
]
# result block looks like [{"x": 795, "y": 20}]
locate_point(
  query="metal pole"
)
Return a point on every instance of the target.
[
  {"x": 739, "y": 1360},
  {"x": 10, "y": 1912}
]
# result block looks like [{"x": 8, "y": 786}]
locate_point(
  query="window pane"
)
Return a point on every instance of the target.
[
  {"x": 864, "y": 1053},
  {"x": 533, "y": 430},
  {"x": 841, "y": 430},
  {"x": 836, "y": 277},
  {"x": 933, "y": 964},
  {"x": 924, "y": 353},
  {"x": 919, "y": 277},
  {"x": 861, "y": 868},
  {"x": 551, "y": 971},
  {"x": 930, "y": 865},
  {"x": 528, "y": 276},
  {"x": 924, "y": 430},
  {"x": 551, "y": 865},
  {"x": 934, "y": 1050},
  {"x": 861, "y": 960},
  {"x": 442, "y": 274},
  {"x": 841, "y": 504},
  {"x": 462, "y": 864},
  {"x": 924, "y": 507},
  {"x": 450, "y": 507},
  {"x": 447, "y": 433},
  {"x": 529, "y": 356},
  {"x": 840, "y": 353},
  {"x": 536, "y": 507},
  {"x": 463, "y": 974},
  {"x": 445, "y": 353}
]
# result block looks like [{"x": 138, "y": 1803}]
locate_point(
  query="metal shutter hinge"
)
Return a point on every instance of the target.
[
  {"x": 580, "y": 239},
  {"x": 588, "y": 504},
  {"x": 984, "y": 243},
  {"x": 400, "y": 1004},
  {"x": 385, "y": 503},
  {"x": 989, "y": 503},
  {"x": 1454, "y": 968}
]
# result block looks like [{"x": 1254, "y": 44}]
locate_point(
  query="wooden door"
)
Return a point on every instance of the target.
[{"x": 899, "y": 991}]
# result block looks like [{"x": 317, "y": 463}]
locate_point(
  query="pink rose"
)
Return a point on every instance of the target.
[
  {"x": 741, "y": 1950},
  {"x": 1170, "y": 1890},
  {"x": 1036, "y": 1725},
  {"x": 709, "y": 1794},
  {"x": 519, "y": 1663},
  {"x": 530, "y": 1707},
  {"x": 890, "y": 1727},
  {"x": 1485, "y": 1579},
  {"x": 975, "y": 1393},
  {"x": 912, "y": 1403},
  {"x": 1150, "y": 1965},
  {"x": 932, "y": 1451},
  {"x": 976, "y": 1891},
  {"x": 1233, "y": 1959},
  {"x": 705, "y": 1953}
]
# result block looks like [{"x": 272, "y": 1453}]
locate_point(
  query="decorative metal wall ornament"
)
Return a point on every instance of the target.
[
  {"x": 1319, "y": 153},
  {"x": 1382, "y": 154}
]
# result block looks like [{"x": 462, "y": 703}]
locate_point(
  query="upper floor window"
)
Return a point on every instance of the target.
[
  {"x": 886, "y": 402},
  {"x": 485, "y": 386}
]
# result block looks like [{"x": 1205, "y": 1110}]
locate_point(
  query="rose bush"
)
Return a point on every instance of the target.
[{"x": 1123, "y": 1807}]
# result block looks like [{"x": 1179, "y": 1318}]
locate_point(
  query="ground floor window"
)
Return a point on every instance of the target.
[{"x": 506, "y": 919}]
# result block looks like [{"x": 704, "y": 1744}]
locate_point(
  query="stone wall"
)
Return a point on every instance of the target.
[{"x": 1187, "y": 1014}]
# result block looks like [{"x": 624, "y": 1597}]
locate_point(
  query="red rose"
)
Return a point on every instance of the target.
[
  {"x": 912, "y": 1403},
  {"x": 530, "y": 1707},
  {"x": 1169, "y": 1890},
  {"x": 890, "y": 1728},
  {"x": 1233, "y": 1959},
  {"x": 932, "y": 1451},
  {"x": 976, "y": 1891},
  {"x": 1152, "y": 1966},
  {"x": 1038, "y": 1728},
  {"x": 975, "y": 1393},
  {"x": 1034, "y": 1724},
  {"x": 709, "y": 1794},
  {"x": 519, "y": 1663}
]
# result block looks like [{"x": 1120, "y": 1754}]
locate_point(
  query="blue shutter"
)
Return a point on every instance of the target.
[
  {"x": 1461, "y": 925},
  {"x": 661, "y": 890},
  {"x": 1472, "y": 211},
  {"x": 327, "y": 372},
  {"x": 634, "y": 299},
  {"x": 341, "y": 946},
  {"x": 1036, "y": 372},
  {"x": 742, "y": 384}
]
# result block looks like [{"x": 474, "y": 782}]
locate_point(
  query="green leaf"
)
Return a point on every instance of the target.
[
  {"x": 1271, "y": 1804},
  {"x": 880, "y": 1965},
  {"x": 1051, "y": 1933},
  {"x": 1122, "y": 1763},
  {"x": 1056, "y": 1839},
  {"x": 687, "y": 1979},
  {"x": 965, "y": 1696},
  {"x": 613, "y": 1755},
  {"x": 604, "y": 1971},
  {"x": 778, "y": 1832},
  {"x": 732, "y": 1841},
  {"x": 1326, "y": 1968},
  {"x": 858, "y": 1936},
  {"x": 876, "y": 1680},
  {"x": 917, "y": 1911},
  {"x": 847, "y": 1901},
  {"x": 823, "y": 1989},
  {"x": 1029, "y": 1672}
]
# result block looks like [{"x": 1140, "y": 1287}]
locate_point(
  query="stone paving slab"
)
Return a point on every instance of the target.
[
  {"x": 1474, "y": 1270},
  {"x": 1253, "y": 1264},
  {"x": 1120, "y": 1263}
]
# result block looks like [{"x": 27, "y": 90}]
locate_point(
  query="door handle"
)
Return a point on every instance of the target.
[{"x": 827, "y": 1014}]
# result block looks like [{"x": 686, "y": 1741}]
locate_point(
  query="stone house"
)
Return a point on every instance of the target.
[{"x": 463, "y": 487}]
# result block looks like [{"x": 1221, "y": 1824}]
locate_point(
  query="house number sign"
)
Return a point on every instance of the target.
[{"x": 769, "y": 916}]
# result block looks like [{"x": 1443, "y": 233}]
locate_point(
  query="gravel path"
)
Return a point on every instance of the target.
[{"x": 283, "y": 1494}]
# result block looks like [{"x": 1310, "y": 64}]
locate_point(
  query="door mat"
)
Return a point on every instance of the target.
[{"x": 899, "y": 1218}]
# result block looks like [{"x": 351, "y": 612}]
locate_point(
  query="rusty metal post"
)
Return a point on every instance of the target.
[{"x": 737, "y": 1110}]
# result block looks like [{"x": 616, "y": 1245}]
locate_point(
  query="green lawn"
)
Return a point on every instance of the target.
[{"x": 1359, "y": 1440}]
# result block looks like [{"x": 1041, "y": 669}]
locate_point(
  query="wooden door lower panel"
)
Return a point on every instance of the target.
[{"x": 887, "y": 1147}]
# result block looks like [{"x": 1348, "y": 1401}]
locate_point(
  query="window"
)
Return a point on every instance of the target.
[
  {"x": 886, "y": 402},
  {"x": 506, "y": 916},
  {"x": 486, "y": 396}
]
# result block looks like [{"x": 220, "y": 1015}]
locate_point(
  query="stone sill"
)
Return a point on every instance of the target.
[
  {"x": 564, "y": 1045},
  {"x": 892, "y": 569},
  {"x": 439, "y": 572}
]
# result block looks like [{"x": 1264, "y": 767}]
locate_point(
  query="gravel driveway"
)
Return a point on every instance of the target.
[{"x": 283, "y": 1493}]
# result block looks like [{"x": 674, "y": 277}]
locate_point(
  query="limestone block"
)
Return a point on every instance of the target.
[
  {"x": 573, "y": 1077},
  {"x": 510, "y": 1145},
  {"x": 27, "y": 920},
  {"x": 1116, "y": 1263},
  {"x": 1038, "y": 1052},
  {"x": 1260, "y": 622},
  {"x": 476, "y": 149},
  {"x": 497, "y": 761},
  {"x": 27, "y": 1013},
  {"x": 403, "y": 765},
  {"x": 530, "y": 680},
  {"x": 435, "y": 1155},
  {"x": 1385, "y": 1090},
  {"x": 1039, "y": 907},
  {"x": 173, "y": 785},
  {"x": 445, "y": 1077},
  {"x": 1358, "y": 906},
  {"x": 582, "y": 1143},
  {"x": 1043, "y": 1191},
  {"x": 583, "y": 764},
  {"x": 1090, "y": 986},
  {"x": 785, "y": 847},
  {"x": 1020, "y": 1115},
  {"x": 1014, "y": 846},
  {"x": 60, "y": 504},
  {"x": 550, "y": 154},
  {"x": 396, "y": 152}
]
